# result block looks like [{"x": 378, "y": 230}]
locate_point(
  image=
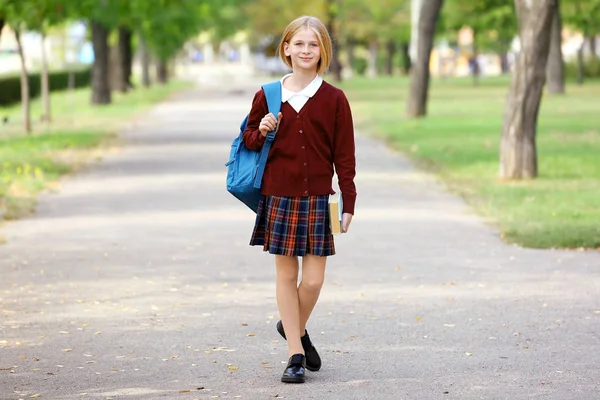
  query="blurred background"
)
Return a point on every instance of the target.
[{"x": 457, "y": 85}]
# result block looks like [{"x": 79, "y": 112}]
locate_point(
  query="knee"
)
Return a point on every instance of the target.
[{"x": 312, "y": 284}]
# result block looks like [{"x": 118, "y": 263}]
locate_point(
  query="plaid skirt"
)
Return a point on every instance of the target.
[{"x": 294, "y": 226}]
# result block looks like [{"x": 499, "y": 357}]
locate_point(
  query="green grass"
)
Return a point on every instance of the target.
[
  {"x": 78, "y": 134},
  {"x": 459, "y": 140}
]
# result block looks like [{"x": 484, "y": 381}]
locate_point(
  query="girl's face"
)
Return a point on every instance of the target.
[{"x": 303, "y": 50}]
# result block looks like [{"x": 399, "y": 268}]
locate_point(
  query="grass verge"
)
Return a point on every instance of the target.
[
  {"x": 459, "y": 140},
  {"x": 78, "y": 134}
]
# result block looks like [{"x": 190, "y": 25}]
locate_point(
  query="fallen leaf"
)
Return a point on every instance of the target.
[
  {"x": 449, "y": 325},
  {"x": 251, "y": 334},
  {"x": 35, "y": 396},
  {"x": 469, "y": 354},
  {"x": 233, "y": 368},
  {"x": 68, "y": 350},
  {"x": 244, "y": 324},
  {"x": 418, "y": 319}
]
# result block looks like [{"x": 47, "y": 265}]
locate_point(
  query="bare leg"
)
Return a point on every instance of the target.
[
  {"x": 313, "y": 275},
  {"x": 287, "y": 301}
]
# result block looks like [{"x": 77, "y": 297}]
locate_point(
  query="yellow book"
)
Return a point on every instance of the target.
[{"x": 335, "y": 213}]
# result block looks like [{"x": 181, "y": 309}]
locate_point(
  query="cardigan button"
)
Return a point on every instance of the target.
[
  {"x": 306, "y": 192},
  {"x": 301, "y": 131},
  {"x": 303, "y": 147}
]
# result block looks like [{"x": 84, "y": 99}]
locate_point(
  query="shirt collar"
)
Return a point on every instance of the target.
[{"x": 309, "y": 91}]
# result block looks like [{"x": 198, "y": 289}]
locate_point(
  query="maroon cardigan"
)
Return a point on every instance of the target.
[{"x": 307, "y": 146}]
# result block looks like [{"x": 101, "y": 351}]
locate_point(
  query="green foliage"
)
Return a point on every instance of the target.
[
  {"x": 583, "y": 15},
  {"x": 10, "y": 86},
  {"x": 34, "y": 15},
  {"x": 494, "y": 21},
  {"x": 376, "y": 20},
  {"x": 460, "y": 141}
]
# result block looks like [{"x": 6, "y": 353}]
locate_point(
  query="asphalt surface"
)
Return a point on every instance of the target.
[{"x": 135, "y": 280}]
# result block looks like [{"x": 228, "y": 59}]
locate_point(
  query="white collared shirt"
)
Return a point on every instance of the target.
[{"x": 299, "y": 99}]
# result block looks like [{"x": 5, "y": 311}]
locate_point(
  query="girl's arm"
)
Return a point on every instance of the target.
[
  {"x": 344, "y": 158},
  {"x": 252, "y": 137}
]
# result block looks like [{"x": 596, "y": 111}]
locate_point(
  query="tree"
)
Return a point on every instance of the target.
[
  {"x": 15, "y": 12},
  {"x": 101, "y": 93},
  {"x": 383, "y": 24},
  {"x": 168, "y": 24},
  {"x": 24, "y": 83},
  {"x": 39, "y": 16},
  {"x": 582, "y": 15},
  {"x": 492, "y": 22},
  {"x": 419, "y": 80},
  {"x": 518, "y": 155},
  {"x": 556, "y": 65},
  {"x": 100, "y": 16}
]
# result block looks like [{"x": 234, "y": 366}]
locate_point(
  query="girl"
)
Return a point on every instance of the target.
[{"x": 314, "y": 134}]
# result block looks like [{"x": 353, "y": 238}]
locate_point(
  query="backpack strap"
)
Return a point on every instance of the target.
[{"x": 273, "y": 94}]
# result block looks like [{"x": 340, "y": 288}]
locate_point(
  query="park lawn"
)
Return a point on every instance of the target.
[
  {"x": 79, "y": 134},
  {"x": 459, "y": 141}
]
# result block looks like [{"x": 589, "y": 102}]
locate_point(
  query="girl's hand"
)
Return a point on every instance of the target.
[
  {"x": 346, "y": 219},
  {"x": 268, "y": 123}
]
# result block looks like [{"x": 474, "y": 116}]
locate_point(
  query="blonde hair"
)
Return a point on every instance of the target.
[{"x": 323, "y": 37}]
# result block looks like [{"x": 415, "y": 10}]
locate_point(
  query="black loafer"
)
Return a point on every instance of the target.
[
  {"x": 294, "y": 372},
  {"x": 313, "y": 360}
]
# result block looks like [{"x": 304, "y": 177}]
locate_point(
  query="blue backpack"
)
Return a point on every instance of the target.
[{"x": 245, "y": 167}]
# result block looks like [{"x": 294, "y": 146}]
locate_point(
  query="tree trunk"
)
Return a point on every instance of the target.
[
  {"x": 125, "y": 59},
  {"x": 419, "y": 80},
  {"x": 475, "y": 60},
  {"x": 1, "y": 26},
  {"x": 24, "y": 85},
  {"x": 580, "y": 71},
  {"x": 372, "y": 62},
  {"x": 556, "y": 68},
  {"x": 406, "y": 63},
  {"x": 389, "y": 62},
  {"x": 336, "y": 66},
  {"x": 100, "y": 74},
  {"x": 44, "y": 82},
  {"x": 593, "y": 46},
  {"x": 504, "y": 67},
  {"x": 145, "y": 58},
  {"x": 416, "y": 7},
  {"x": 162, "y": 72},
  {"x": 518, "y": 156}
]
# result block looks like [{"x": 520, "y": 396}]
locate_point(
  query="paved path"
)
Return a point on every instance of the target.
[{"x": 135, "y": 281}]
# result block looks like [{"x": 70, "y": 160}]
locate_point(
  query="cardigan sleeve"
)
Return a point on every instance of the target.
[
  {"x": 344, "y": 153},
  {"x": 252, "y": 137}
]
